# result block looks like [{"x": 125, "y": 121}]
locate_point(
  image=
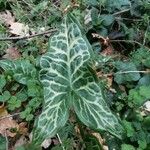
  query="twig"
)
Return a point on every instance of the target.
[
  {"x": 121, "y": 72},
  {"x": 144, "y": 40},
  {"x": 130, "y": 41},
  {"x": 122, "y": 11},
  {"x": 27, "y": 37},
  {"x": 127, "y": 41},
  {"x": 121, "y": 18},
  {"x": 54, "y": 4},
  {"x": 105, "y": 40},
  {"x": 60, "y": 141},
  {"x": 6, "y": 141},
  {"x": 125, "y": 72},
  {"x": 15, "y": 114}
]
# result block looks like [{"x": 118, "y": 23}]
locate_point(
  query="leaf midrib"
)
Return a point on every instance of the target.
[{"x": 68, "y": 55}]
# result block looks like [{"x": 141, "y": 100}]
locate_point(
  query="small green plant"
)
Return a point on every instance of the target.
[
  {"x": 138, "y": 96},
  {"x": 29, "y": 90}
]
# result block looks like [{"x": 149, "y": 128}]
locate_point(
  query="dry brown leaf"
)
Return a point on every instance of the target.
[
  {"x": 107, "y": 51},
  {"x": 23, "y": 129},
  {"x": 5, "y": 126},
  {"x": 16, "y": 28},
  {"x": 101, "y": 140},
  {"x": 3, "y": 111},
  {"x": 12, "y": 53},
  {"x": 102, "y": 40},
  {"x": 20, "y": 29},
  {"x": 7, "y": 18},
  {"x": 109, "y": 81},
  {"x": 7, "y": 123}
]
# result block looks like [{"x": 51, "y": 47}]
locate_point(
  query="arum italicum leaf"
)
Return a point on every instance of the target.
[
  {"x": 69, "y": 82},
  {"x": 21, "y": 70}
]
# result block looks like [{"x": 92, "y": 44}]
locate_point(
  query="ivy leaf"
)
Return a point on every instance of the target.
[
  {"x": 145, "y": 80},
  {"x": 69, "y": 82},
  {"x": 126, "y": 76},
  {"x": 112, "y": 5},
  {"x": 141, "y": 57},
  {"x": 21, "y": 70},
  {"x": 107, "y": 19}
]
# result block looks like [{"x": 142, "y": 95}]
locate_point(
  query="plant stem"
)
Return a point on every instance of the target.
[
  {"x": 6, "y": 141},
  {"x": 15, "y": 114},
  {"x": 27, "y": 37},
  {"x": 60, "y": 141},
  {"x": 144, "y": 40},
  {"x": 130, "y": 41}
]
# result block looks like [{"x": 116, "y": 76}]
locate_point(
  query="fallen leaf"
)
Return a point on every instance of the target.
[
  {"x": 55, "y": 141},
  {"x": 109, "y": 81},
  {"x": 87, "y": 17},
  {"x": 107, "y": 51},
  {"x": 20, "y": 29},
  {"x": 145, "y": 109},
  {"x": 7, "y": 123},
  {"x": 101, "y": 140},
  {"x": 3, "y": 111},
  {"x": 21, "y": 141},
  {"x": 46, "y": 143},
  {"x": 23, "y": 129},
  {"x": 5, "y": 126},
  {"x": 12, "y": 53},
  {"x": 102, "y": 40},
  {"x": 7, "y": 18},
  {"x": 146, "y": 106},
  {"x": 16, "y": 28}
]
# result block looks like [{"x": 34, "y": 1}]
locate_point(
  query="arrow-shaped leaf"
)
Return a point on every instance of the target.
[{"x": 68, "y": 81}]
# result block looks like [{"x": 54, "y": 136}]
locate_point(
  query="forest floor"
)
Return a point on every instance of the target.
[{"x": 119, "y": 33}]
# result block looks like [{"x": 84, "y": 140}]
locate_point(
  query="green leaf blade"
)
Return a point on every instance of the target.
[
  {"x": 91, "y": 107},
  {"x": 53, "y": 117},
  {"x": 68, "y": 52},
  {"x": 65, "y": 75}
]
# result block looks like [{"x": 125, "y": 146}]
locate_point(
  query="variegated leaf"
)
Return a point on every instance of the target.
[
  {"x": 21, "y": 70},
  {"x": 90, "y": 105},
  {"x": 69, "y": 82}
]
